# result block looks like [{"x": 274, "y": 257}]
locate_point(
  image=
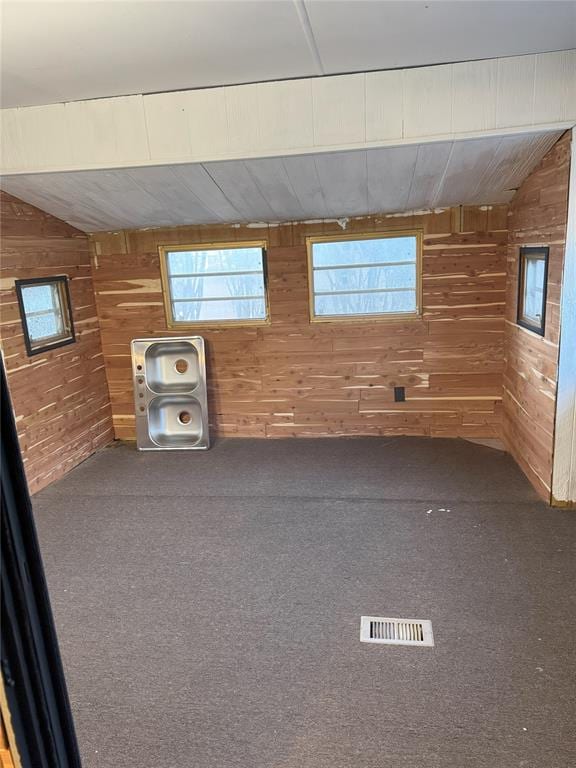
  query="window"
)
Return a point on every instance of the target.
[
  {"x": 532, "y": 281},
  {"x": 214, "y": 284},
  {"x": 46, "y": 313},
  {"x": 365, "y": 276}
]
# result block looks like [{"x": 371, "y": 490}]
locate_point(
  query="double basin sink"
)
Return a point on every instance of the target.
[{"x": 170, "y": 393}]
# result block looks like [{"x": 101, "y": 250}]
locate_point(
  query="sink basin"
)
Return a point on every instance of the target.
[
  {"x": 172, "y": 366},
  {"x": 169, "y": 376},
  {"x": 175, "y": 422}
]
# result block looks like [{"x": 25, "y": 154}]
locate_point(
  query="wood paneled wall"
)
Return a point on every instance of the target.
[
  {"x": 9, "y": 757},
  {"x": 538, "y": 216},
  {"x": 296, "y": 378},
  {"x": 6, "y": 760},
  {"x": 60, "y": 397}
]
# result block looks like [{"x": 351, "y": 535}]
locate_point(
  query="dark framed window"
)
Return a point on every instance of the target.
[
  {"x": 46, "y": 313},
  {"x": 532, "y": 285}
]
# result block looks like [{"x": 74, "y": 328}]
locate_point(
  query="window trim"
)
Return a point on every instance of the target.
[
  {"x": 164, "y": 250},
  {"x": 63, "y": 286},
  {"x": 526, "y": 250},
  {"x": 378, "y": 316}
]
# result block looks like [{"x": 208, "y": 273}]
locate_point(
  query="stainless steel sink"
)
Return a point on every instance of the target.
[
  {"x": 172, "y": 366},
  {"x": 170, "y": 393},
  {"x": 175, "y": 422}
]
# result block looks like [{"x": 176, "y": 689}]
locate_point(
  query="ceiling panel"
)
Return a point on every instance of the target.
[
  {"x": 390, "y": 173},
  {"x": 344, "y": 181},
  {"x": 173, "y": 197},
  {"x": 56, "y": 51},
  {"x": 513, "y": 160},
  {"x": 465, "y": 168},
  {"x": 305, "y": 182},
  {"x": 330, "y": 185},
  {"x": 65, "y": 51},
  {"x": 273, "y": 182},
  {"x": 234, "y": 180},
  {"x": 364, "y": 35},
  {"x": 197, "y": 178},
  {"x": 429, "y": 170}
]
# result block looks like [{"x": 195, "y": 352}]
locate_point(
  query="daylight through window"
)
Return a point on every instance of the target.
[
  {"x": 532, "y": 288},
  {"x": 46, "y": 316},
  {"x": 367, "y": 276},
  {"x": 215, "y": 284}
]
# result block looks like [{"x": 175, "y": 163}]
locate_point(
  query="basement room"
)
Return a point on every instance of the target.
[{"x": 288, "y": 333}]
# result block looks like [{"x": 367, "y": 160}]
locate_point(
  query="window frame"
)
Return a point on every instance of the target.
[
  {"x": 164, "y": 250},
  {"x": 63, "y": 287},
  {"x": 377, "y": 316},
  {"x": 525, "y": 251}
]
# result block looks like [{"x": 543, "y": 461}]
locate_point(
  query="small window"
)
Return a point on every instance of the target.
[
  {"x": 46, "y": 313},
  {"x": 532, "y": 279},
  {"x": 215, "y": 284},
  {"x": 365, "y": 276}
]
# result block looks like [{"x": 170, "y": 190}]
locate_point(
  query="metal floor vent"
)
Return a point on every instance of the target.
[{"x": 387, "y": 631}]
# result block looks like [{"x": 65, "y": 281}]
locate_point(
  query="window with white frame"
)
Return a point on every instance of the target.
[
  {"x": 364, "y": 276},
  {"x": 215, "y": 284},
  {"x": 46, "y": 313}
]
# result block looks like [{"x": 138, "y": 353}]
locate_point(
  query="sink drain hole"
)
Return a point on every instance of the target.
[
  {"x": 184, "y": 417},
  {"x": 181, "y": 366}
]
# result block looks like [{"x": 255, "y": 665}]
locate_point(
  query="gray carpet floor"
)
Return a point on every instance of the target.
[{"x": 208, "y": 606}]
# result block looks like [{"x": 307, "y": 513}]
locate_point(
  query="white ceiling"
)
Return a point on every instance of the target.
[
  {"x": 387, "y": 180},
  {"x": 66, "y": 51}
]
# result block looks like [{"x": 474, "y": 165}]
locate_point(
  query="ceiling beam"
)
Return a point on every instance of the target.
[{"x": 295, "y": 117}]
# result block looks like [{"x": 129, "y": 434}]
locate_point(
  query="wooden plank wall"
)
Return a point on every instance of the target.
[
  {"x": 6, "y": 760},
  {"x": 538, "y": 216},
  {"x": 9, "y": 756},
  {"x": 60, "y": 398},
  {"x": 296, "y": 378}
]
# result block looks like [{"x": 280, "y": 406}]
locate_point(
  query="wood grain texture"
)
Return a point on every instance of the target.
[
  {"x": 296, "y": 378},
  {"x": 9, "y": 754},
  {"x": 60, "y": 397},
  {"x": 538, "y": 216},
  {"x": 6, "y": 760}
]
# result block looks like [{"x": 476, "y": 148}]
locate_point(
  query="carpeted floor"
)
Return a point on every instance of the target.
[{"x": 208, "y": 606}]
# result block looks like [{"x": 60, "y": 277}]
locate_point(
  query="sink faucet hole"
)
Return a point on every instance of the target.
[
  {"x": 184, "y": 417},
  {"x": 181, "y": 366}
]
